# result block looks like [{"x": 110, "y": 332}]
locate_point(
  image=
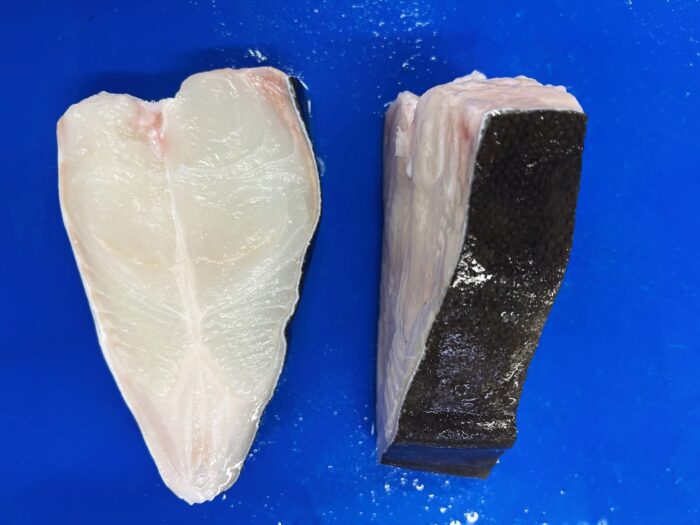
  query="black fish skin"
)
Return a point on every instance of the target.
[{"x": 459, "y": 412}]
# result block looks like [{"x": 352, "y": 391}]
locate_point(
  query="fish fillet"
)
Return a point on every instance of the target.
[
  {"x": 189, "y": 219},
  {"x": 481, "y": 179}
]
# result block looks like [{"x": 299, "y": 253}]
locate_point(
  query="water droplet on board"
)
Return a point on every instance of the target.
[{"x": 472, "y": 516}]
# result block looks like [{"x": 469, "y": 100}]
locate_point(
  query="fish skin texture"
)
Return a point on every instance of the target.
[
  {"x": 480, "y": 189},
  {"x": 189, "y": 219}
]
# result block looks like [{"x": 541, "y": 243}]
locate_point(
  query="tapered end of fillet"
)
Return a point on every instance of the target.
[
  {"x": 189, "y": 219},
  {"x": 481, "y": 179},
  {"x": 199, "y": 434}
]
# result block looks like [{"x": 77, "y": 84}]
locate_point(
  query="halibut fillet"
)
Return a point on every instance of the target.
[
  {"x": 481, "y": 178},
  {"x": 189, "y": 219}
]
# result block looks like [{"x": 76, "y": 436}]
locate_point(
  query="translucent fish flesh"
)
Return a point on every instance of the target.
[
  {"x": 189, "y": 219},
  {"x": 481, "y": 179}
]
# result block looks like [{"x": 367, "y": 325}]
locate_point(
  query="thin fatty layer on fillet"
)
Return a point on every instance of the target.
[{"x": 189, "y": 219}]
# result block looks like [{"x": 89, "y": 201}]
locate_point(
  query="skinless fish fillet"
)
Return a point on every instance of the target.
[
  {"x": 480, "y": 185},
  {"x": 189, "y": 219}
]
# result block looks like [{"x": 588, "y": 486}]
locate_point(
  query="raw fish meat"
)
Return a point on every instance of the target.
[
  {"x": 480, "y": 185},
  {"x": 189, "y": 219}
]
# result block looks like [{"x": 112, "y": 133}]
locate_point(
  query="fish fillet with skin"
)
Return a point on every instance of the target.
[
  {"x": 481, "y": 179},
  {"x": 190, "y": 219}
]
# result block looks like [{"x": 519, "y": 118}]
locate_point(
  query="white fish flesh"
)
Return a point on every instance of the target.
[
  {"x": 480, "y": 185},
  {"x": 189, "y": 219}
]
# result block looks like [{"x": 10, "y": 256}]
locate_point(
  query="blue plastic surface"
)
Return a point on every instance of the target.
[{"x": 609, "y": 424}]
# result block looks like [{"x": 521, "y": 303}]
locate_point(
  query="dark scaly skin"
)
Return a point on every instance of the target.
[{"x": 459, "y": 412}]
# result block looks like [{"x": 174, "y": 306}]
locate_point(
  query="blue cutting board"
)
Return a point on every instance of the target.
[{"x": 609, "y": 424}]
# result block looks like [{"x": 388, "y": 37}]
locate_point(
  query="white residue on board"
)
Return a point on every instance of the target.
[{"x": 257, "y": 55}]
